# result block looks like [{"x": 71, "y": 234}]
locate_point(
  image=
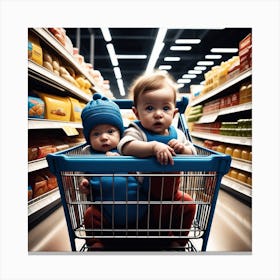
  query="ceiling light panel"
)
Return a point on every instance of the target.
[
  {"x": 158, "y": 46},
  {"x": 106, "y": 34},
  {"x": 172, "y": 58},
  {"x": 189, "y": 76},
  {"x": 112, "y": 54},
  {"x": 164, "y": 67},
  {"x": 183, "y": 81},
  {"x": 224, "y": 50},
  {"x": 187, "y": 41},
  {"x": 180, "y": 48},
  {"x": 207, "y": 63},
  {"x": 197, "y": 72},
  {"x": 202, "y": 68},
  {"x": 213, "y": 56},
  {"x": 117, "y": 72},
  {"x": 131, "y": 56}
]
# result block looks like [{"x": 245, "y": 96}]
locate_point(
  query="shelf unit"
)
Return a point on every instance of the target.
[
  {"x": 40, "y": 206},
  {"x": 237, "y": 187}
]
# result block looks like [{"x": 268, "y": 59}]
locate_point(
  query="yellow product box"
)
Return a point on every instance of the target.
[
  {"x": 76, "y": 110},
  {"x": 57, "y": 108},
  {"x": 35, "y": 52}
]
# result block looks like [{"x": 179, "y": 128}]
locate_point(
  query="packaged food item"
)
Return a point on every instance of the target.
[
  {"x": 221, "y": 148},
  {"x": 35, "y": 52},
  {"x": 242, "y": 177},
  {"x": 56, "y": 107},
  {"x": 249, "y": 180},
  {"x": 36, "y": 107},
  {"x": 76, "y": 110},
  {"x": 62, "y": 147},
  {"x": 229, "y": 150},
  {"x": 43, "y": 151},
  {"x": 233, "y": 173},
  {"x": 32, "y": 153},
  {"x": 30, "y": 192},
  {"x": 51, "y": 180},
  {"x": 236, "y": 153},
  {"x": 245, "y": 154},
  {"x": 39, "y": 185}
]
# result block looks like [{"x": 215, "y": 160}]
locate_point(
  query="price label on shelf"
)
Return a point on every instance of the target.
[{"x": 70, "y": 131}]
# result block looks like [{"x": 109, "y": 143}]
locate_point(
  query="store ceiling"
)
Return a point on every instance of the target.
[{"x": 140, "y": 41}]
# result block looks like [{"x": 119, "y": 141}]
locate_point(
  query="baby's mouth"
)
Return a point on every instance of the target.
[{"x": 157, "y": 124}]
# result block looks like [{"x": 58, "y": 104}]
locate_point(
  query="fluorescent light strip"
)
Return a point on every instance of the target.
[
  {"x": 121, "y": 88},
  {"x": 131, "y": 56},
  {"x": 117, "y": 72},
  {"x": 106, "y": 34},
  {"x": 113, "y": 57},
  {"x": 172, "y": 58},
  {"x": 194, "y": 72},
  {"x": 207, "y": 63},
  {"x": 187, "y": 41},
  {"x": 158, "y": 46},
  {"x": 200, "y": 68},
  {"x": 189, "y": 76},
  {"x": 224, "y": 50},
  {"x": 165, "y": 67},
  {"x": 183, "y": 81},
  {"x": 213, "y": 56},
  {"x": 180, "y": 48}
]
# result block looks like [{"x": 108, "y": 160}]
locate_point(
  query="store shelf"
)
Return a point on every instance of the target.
[
  {"x": 49, "y": 124},
  {"x": 211, "y": 117},
  {"x": 37, "y": 164},
  {"x": 48, "y": 38},
  {"x": 237, "y": 186},
  {"x": 241, "y": 164},
  {"x": 223, "y": 138},
  {"x": 37, "y": 204},
  {"x": 43, "y": 74},
  {"x": 221, "y": 88}
]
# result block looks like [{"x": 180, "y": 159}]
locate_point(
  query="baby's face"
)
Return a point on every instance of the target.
[
  {"x": 156, "y": 110},
  {"x": 104, "y": 137}
]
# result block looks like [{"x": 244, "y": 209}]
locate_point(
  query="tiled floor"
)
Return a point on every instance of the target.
[{"x": 231, "y": 229}]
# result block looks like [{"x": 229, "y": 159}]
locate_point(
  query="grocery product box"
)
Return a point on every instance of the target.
[
  {"x": 247, "y": 41},
  {"x": 76, "y": 110},
  {"x": 35, "y": 52},
  {"x": 57, "y": 108},
  {"x": 36, "y": 107}
]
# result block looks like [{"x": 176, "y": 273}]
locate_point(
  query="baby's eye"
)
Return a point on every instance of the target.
[
  {"x": 166, "y": 108},
  {"x": 111, "y": 131},
  {"x": 149, "y": 108},
  {"x": 95, "y": 134}
]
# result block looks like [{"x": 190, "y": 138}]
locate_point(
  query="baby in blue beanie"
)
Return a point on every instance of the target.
[{"x": 103, "y": 128}]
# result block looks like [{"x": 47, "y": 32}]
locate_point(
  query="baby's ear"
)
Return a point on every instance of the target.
[
  {"x": 175, "y": 112},
  {"x": 135, "y": 112}
]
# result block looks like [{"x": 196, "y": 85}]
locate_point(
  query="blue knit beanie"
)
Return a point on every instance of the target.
[{"x": 100, "y": 110}]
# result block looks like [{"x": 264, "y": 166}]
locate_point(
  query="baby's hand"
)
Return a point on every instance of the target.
[
  {"x": 177, "y": 146},
  {"x": 163, "y": 153},
  {"x": 112, "y": 153},
  {"x": 84, "y": 186}
]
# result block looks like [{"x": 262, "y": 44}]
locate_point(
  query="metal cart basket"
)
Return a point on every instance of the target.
[{"x": 199, "y": 176}]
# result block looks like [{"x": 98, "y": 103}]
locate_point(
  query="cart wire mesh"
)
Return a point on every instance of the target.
[{"x": 201, "y": 186}]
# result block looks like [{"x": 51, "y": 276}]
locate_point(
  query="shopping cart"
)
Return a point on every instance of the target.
[{"x": 200, "y": 176}]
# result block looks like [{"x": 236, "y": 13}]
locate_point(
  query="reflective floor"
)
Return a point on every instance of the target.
[{"x": 231, "y": 229}]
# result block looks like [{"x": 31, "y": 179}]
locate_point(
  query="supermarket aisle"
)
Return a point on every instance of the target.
[{"x": 231, "y": 229}]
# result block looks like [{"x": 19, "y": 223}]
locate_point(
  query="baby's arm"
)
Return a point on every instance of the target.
[
  {"x": 143, "y": 149},
  {"x": 84, "y": 186},
  {"x": 112, "y": 153},
  {"x": 179, "y": 147}
]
